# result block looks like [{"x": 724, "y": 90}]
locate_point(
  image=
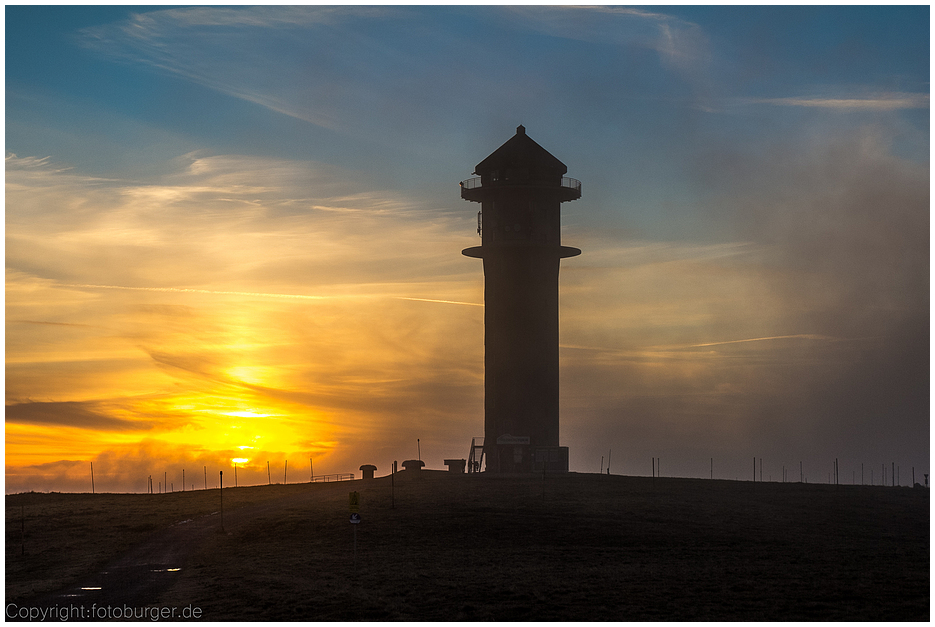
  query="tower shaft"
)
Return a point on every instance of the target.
[{"x": 521, "y": 353}]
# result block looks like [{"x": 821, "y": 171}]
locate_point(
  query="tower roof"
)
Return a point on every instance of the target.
[{"x": 520, "y": 151}]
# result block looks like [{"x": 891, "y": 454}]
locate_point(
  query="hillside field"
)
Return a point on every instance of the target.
[{"x": 439, "y": 546}]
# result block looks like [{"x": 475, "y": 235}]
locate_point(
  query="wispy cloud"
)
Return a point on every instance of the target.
[
  {"x": 81, "y": 415},
  {"x": 880, "y": 102},
  {"x": 188, "y": 290},
  {"x": 194, "y": 44},
  {"x": 681, "y": 44}
]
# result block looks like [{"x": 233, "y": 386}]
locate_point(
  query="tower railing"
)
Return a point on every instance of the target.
[
  {"x": 571, "y": 183},
  {"x": 567, "y": 182}
]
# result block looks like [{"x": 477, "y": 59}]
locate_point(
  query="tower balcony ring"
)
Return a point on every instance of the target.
[{"x": 472, "y": 189}]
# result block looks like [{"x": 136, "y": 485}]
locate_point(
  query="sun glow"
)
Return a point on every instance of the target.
[
  {"x": 254, "y": 375},
  {"x": 245, "y": 414},
  {"x": 240, "y": 460}
]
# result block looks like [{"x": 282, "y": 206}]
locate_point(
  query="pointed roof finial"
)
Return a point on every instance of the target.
[{"x": 521, "y": 151}]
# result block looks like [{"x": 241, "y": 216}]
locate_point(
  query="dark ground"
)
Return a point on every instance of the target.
[{"x": 482, "y": 547}]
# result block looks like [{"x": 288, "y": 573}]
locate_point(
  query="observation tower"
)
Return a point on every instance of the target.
[{"x": 521, "y": 187}]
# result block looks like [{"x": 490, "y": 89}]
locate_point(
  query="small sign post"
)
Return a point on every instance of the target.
[
  {"x": 354, "y": 506},
  {"x": 221, "y": 493}
]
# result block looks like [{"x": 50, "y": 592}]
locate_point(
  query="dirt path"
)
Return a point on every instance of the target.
[{"x": 131, "y": 585}]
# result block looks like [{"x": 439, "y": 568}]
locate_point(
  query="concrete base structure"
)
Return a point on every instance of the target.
[{"x": 456, "y": 465}]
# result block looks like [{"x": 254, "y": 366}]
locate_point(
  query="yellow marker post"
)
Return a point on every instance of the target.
[{"x": 354, "y": 506}]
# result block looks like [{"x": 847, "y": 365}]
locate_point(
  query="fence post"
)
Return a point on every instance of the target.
[{"x": 221, "y": 492}]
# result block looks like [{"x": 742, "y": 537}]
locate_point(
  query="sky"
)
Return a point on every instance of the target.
[{"x": 234, "y": 234}]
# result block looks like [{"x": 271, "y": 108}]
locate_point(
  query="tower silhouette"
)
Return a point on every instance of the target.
[{"x": 521, "y": 187}]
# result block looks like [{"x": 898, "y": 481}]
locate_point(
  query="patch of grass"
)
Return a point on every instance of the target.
[
  {"x": 575, "y": 547},
  {"x": 566, "y": 547},
  {"x": 54, "y": 538}
]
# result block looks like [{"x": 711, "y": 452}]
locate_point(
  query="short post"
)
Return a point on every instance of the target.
[
  {"x": 393, "y": 486},
  {"x": 269, "y": 478},
  {"x": 183, "y": 480},
  {"x": 221, "y": 491},
  {"x": 354, "y": 507},
  {"x": 206, "y": 477},
  {"x": 608, "y": 460},
  {"x": 602, "y": 464},
  {"x": 92, "y": 477},
  {"x": 285, "y": 473}
]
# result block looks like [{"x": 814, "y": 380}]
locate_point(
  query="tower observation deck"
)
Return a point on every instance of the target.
[{"x": 521, "y": 187}]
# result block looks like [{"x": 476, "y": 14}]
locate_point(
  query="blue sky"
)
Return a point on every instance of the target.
[{"x": 748, "y": 173}]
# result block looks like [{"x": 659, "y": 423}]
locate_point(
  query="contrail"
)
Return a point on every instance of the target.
[
  {"x": 804, "y": 336},
  {"x": 432, "y": 300},
  {"x": 189, "y": 290}
]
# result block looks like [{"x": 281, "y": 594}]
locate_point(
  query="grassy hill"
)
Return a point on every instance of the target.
[{"x": 439, "y": 546}]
